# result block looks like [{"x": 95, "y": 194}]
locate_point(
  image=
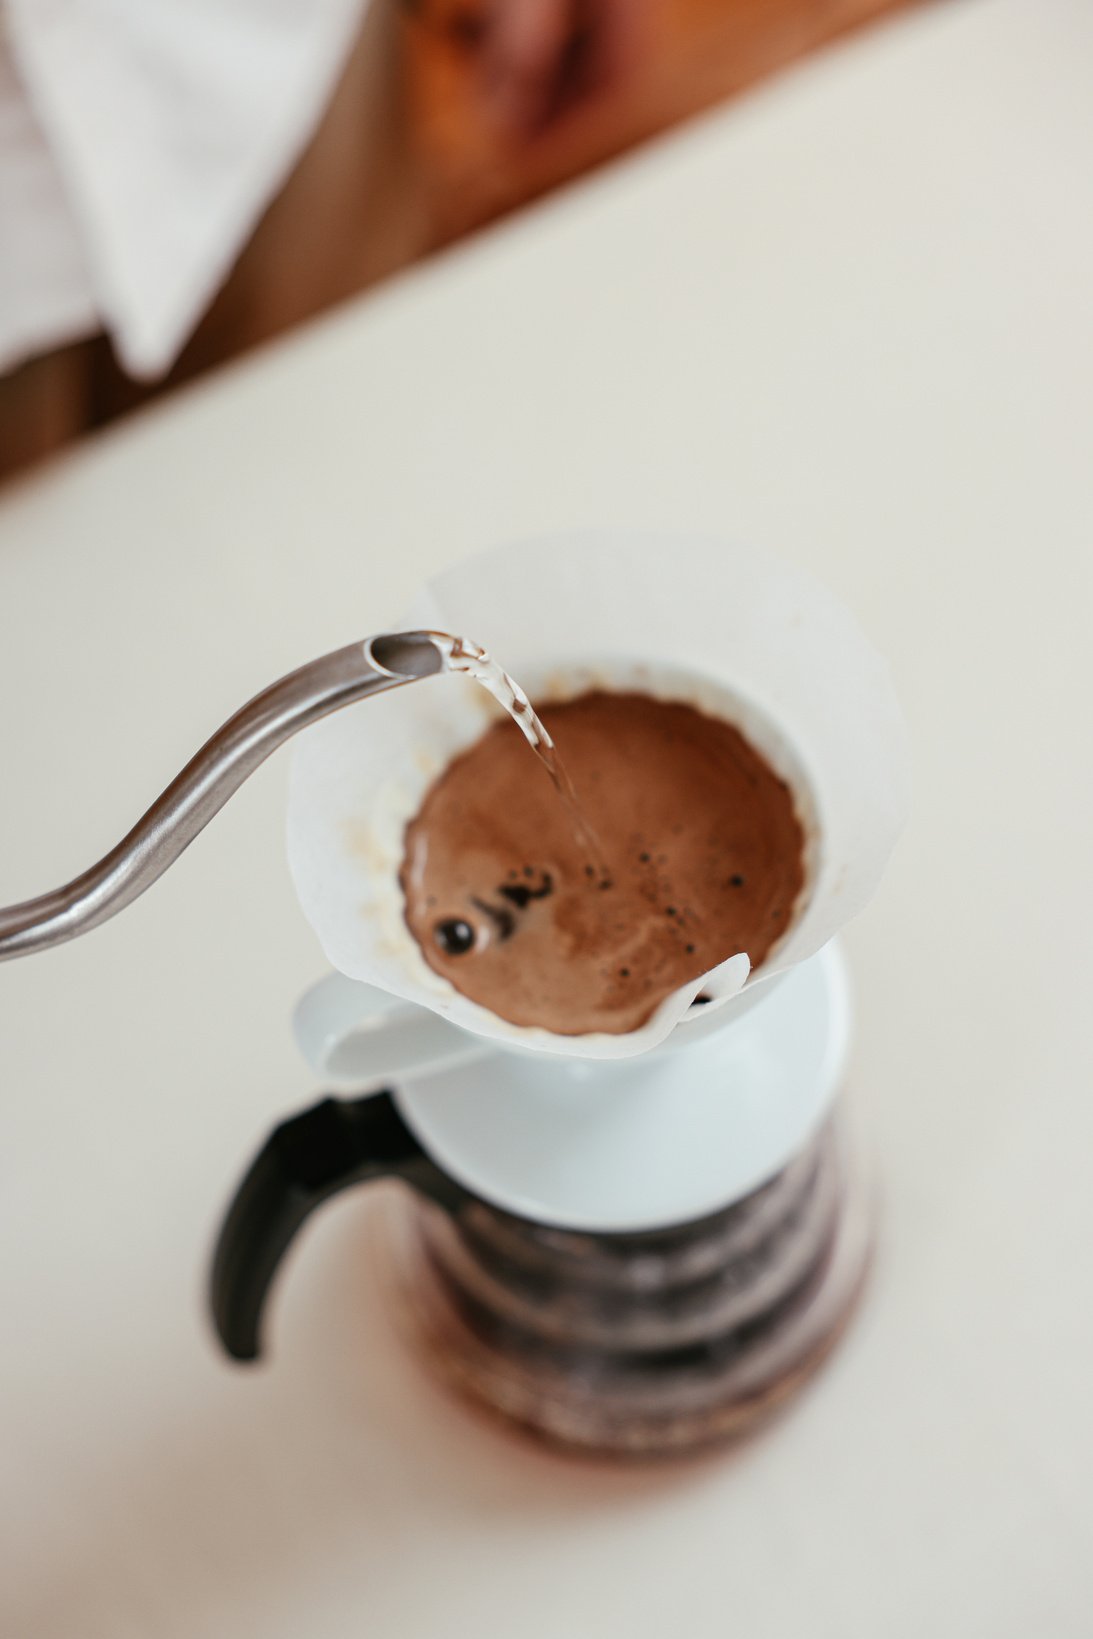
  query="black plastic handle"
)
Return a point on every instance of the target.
[{"x": 336, "y": 1143}]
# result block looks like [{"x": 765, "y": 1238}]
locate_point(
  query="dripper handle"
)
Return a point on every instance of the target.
[
  {"x": 353, "y": 1034},
  {"x": 305, "y": 1160}
]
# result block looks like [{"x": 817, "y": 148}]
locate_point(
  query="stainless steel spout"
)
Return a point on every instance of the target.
[{"x": 209, "y": 779}]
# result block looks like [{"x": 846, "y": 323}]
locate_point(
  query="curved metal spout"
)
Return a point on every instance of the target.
[{"x": 210, "y": 778}]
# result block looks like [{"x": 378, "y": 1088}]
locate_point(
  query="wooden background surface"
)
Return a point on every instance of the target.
[{"x": 411, "y": 157}]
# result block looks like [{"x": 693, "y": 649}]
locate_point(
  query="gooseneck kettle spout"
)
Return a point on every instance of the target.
[{"x": 210, "y": 778}]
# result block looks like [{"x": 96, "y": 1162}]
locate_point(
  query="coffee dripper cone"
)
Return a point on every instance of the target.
[{"x": 734, "y": 632}]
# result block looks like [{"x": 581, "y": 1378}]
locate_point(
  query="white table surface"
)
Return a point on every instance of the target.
[{"x": 849, "y": 317}]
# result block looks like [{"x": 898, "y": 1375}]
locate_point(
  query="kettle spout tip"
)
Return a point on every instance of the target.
[{"x": 406, "y": 654}]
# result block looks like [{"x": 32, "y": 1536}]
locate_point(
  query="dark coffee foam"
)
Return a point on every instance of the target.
[{"x": 703, "y": 859}]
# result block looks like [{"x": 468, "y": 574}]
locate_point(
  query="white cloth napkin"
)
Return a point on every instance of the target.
[{"x": 140, "y": 141}]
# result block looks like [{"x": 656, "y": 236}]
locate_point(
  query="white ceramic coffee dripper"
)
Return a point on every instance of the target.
[{"x": 703, "y": 1102}]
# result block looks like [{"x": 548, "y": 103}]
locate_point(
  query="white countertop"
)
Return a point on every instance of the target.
[{"x": 848, "y": 317}]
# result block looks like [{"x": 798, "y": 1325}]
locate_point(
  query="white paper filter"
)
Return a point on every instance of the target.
[{"x": 730, "y": 630}]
